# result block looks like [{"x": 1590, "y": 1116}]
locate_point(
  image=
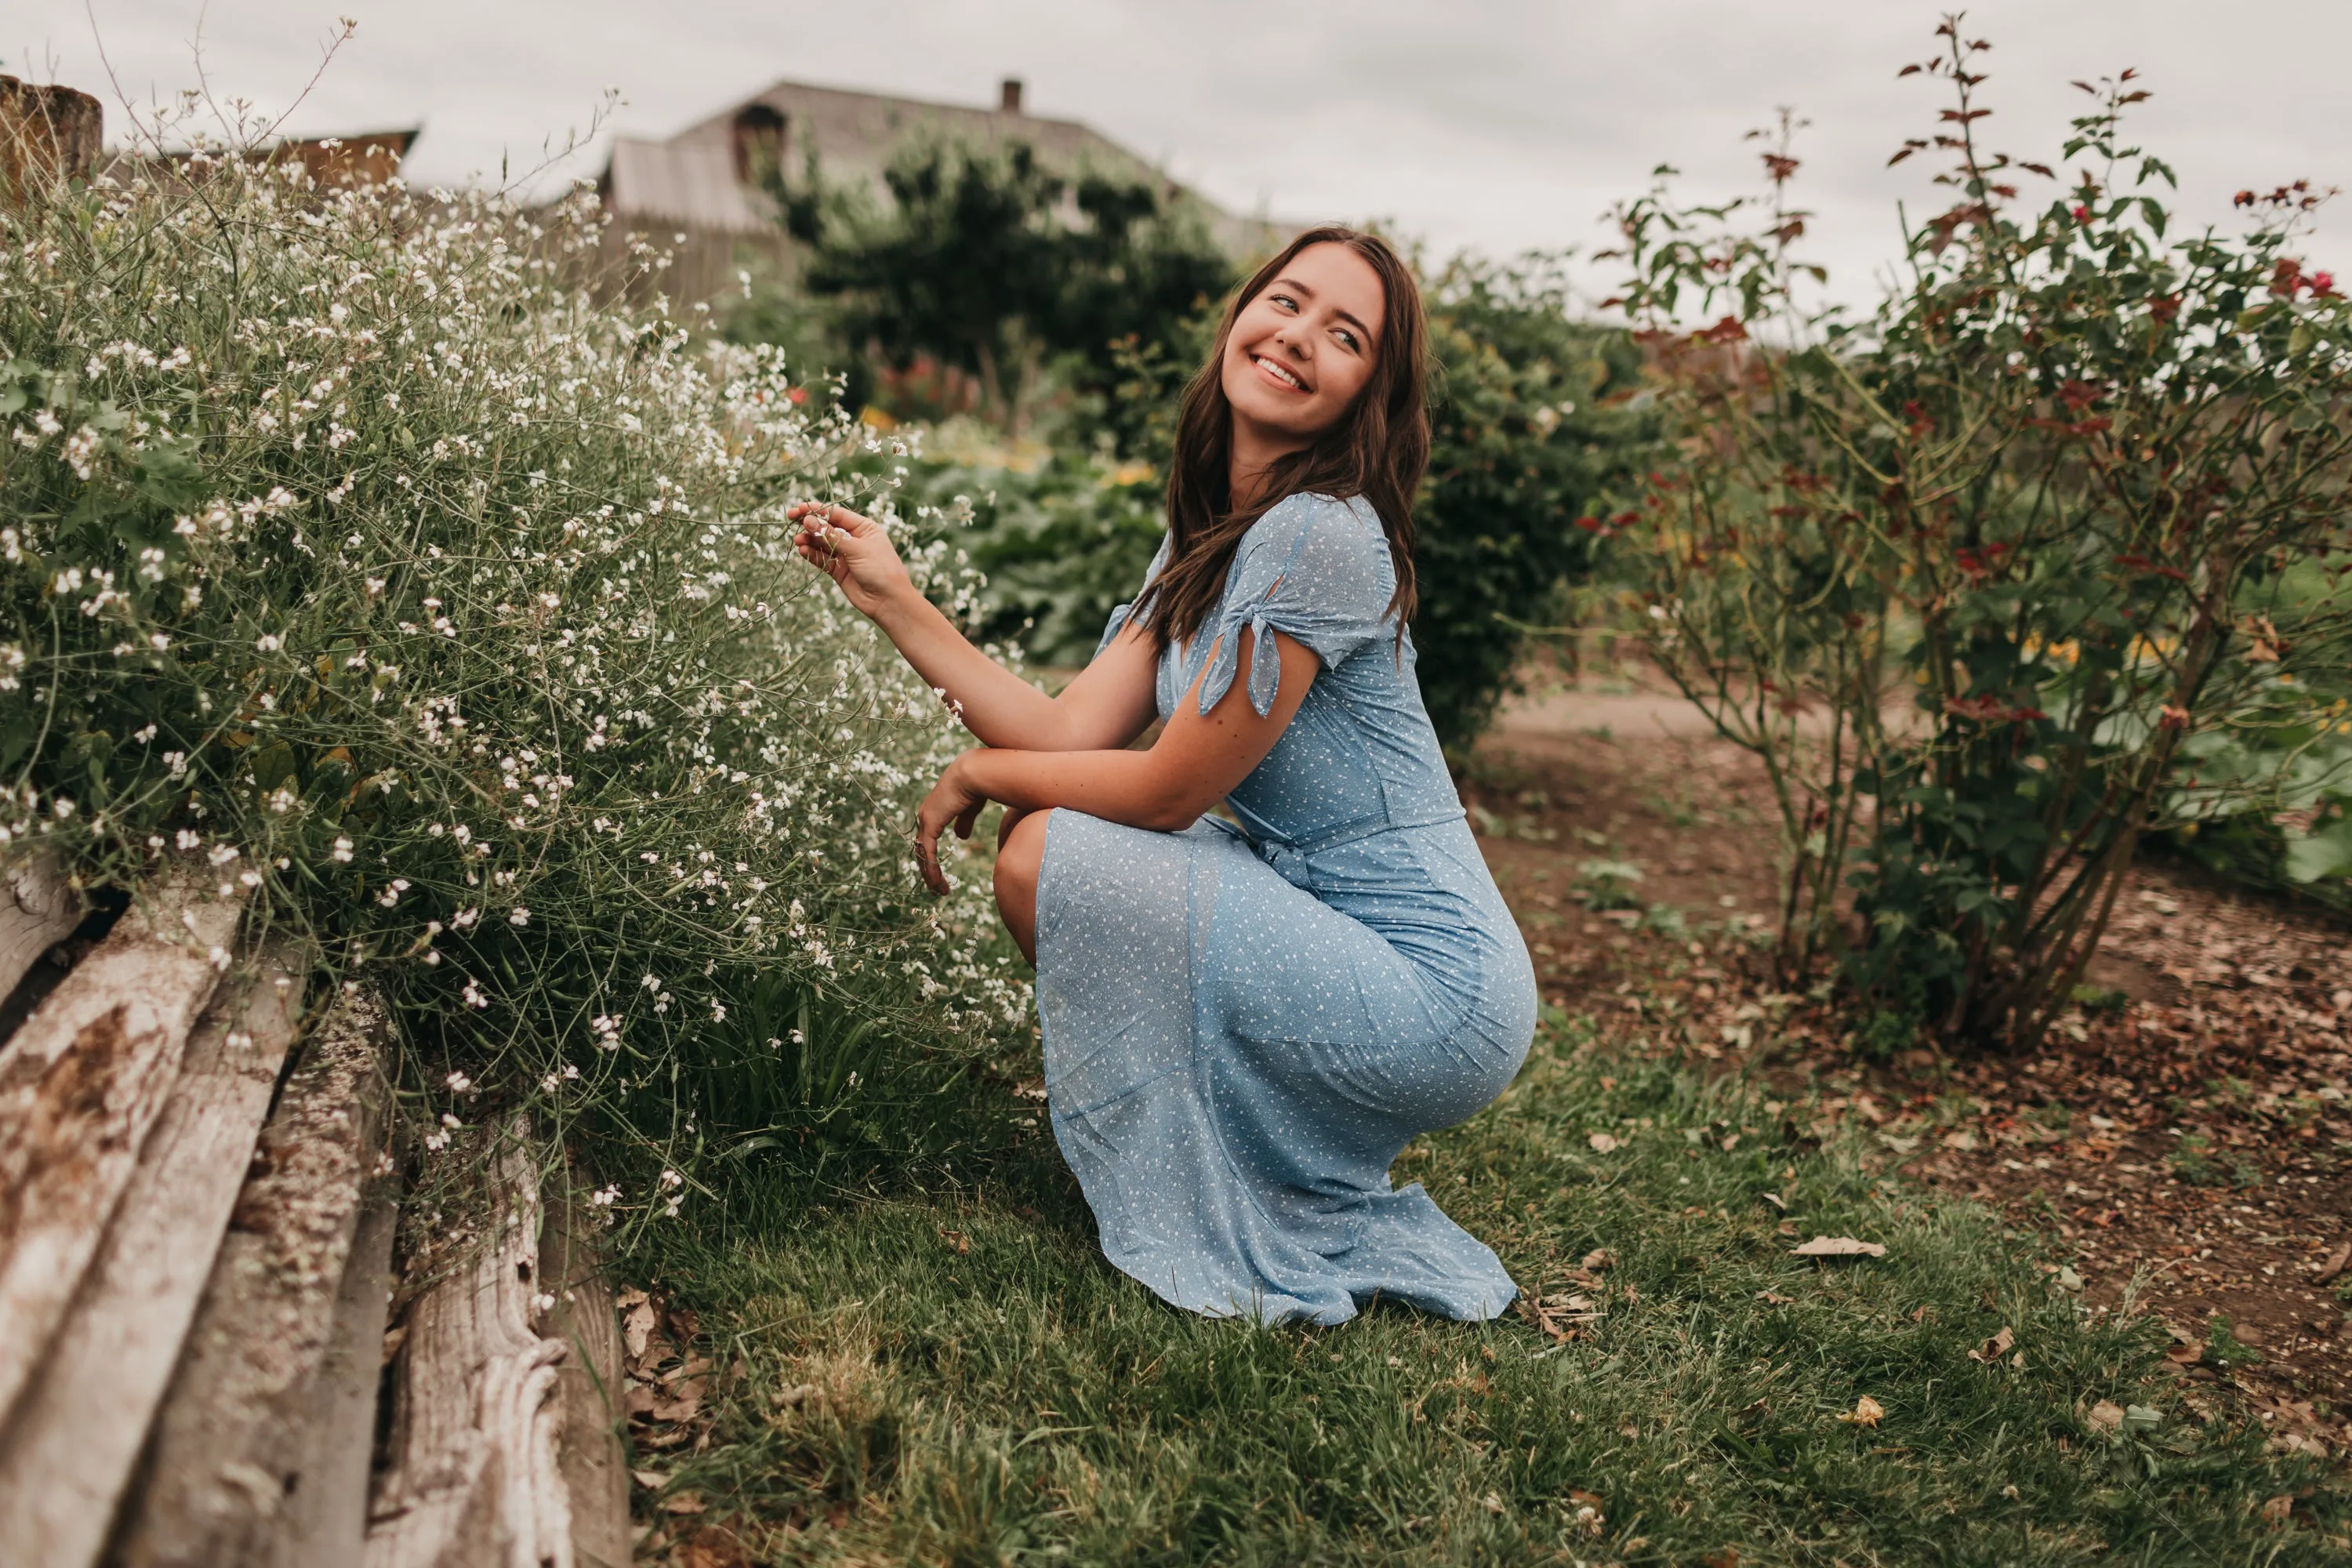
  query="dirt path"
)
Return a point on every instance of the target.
[{"x": 2190, "y": 1153}]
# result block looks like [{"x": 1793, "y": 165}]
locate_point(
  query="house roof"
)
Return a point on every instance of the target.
[
  {"x": 691, "y": 178},
  {"x": 690, "y": 184}
]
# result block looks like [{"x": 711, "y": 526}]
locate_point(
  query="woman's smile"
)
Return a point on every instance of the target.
[{"x": 1277, "y": 375}]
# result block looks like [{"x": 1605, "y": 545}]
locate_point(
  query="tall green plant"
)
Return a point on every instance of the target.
[
  {"x": 1975, "y": 575},
  {"x": 990, "y": 261}
]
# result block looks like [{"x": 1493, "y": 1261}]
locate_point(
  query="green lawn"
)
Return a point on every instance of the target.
[{"x": 901, "y": 1399}]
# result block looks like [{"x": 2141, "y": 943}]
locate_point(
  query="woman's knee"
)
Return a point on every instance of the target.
[{"x": 1019, "y": 858}]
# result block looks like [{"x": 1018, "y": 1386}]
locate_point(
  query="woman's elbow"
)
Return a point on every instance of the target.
[{"x": 1173, "y": 811}]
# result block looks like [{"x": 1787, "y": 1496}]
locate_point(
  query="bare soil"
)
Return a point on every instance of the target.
[{"x": 2188, "y": 1153}]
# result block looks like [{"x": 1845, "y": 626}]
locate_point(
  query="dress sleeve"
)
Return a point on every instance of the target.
[
  {"x": 1118, "y": 622},
  {"x": 1314, "y": 567}
]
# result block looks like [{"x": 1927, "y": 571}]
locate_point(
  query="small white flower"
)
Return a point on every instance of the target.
[
  {"x": 341, "y": 851},
  {"x": 519, "y": 916}
]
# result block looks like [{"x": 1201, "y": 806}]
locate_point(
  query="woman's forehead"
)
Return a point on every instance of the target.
[{"x": 1338, "y": 280}]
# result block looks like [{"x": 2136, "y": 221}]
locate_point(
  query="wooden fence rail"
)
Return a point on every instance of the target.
[{"x": 198, "y": 1213}]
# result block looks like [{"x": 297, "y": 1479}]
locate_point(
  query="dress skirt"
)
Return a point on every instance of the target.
[{"x": 1240, "y": 1039}]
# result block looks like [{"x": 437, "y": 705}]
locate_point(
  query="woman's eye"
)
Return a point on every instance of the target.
[
  {"x": 1285, "y": 302},
  {"x": 1350, "y": 339}
]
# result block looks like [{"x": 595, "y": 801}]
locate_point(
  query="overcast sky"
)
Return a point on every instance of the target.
[{"x": 1489, "y": 124}]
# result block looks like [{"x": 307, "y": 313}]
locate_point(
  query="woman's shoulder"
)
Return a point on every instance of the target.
[
  {"x": 1325, "y": 527},
  {"x": 1322, "y": 557}
]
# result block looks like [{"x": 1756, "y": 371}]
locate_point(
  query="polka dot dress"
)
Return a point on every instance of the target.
[{"x": 1244, "y": 1026}]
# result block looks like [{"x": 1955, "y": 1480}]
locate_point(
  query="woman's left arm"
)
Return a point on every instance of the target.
[{"x": 1196, "y": 762}]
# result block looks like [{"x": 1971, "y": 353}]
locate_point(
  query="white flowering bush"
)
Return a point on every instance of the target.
[{"x": 355, "y": 558}]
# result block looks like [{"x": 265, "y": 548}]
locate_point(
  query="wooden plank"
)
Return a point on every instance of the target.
[
  {"x": 474, "y": 1479},
  {"x": 244, "y": 1424},
  {"x": 67, "y": 1447},
  {"x": 38, "y": 910},
  {"x": 80, "y": 1086},
  {"x": 594, "y": 1459},
  {"x": 325, "y": 1517}
]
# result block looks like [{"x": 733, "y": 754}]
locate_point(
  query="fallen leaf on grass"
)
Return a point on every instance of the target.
[
  {"x": 2278, "y": 1507},
  {"x": 1777, "y": 1201},
  {"x": 1866, "y": 1412},
  {"x": 652, "y": 1480},
  {"x": 1727, "y": 1558},
  {"x": 685, "y": 1502},
  {"x": 1994, "y": 1348},
  {"x": 2106, "y": 1415},
  {"x": 956, "y": 1239},
  {"x": 1602, "y": 1144},
  {"x": 1599, "y": 1259},
  {"x": 1839, "y": 1247},
  {"x": 798, "y": 1394},
  {"x": 637, "y": 1325},
  {"x": 1774, "y": 1299},
  {"x": 2335, "y": 1264}
]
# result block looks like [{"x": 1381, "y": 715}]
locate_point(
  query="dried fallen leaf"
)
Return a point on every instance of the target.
[
  {"x": 1777, "y": 1201},
  {"x": 1774, "y": 1297},
  {"x": 637, "y": 1327},
  {"x": 2278, "y": 1507},
  {"x": 956, "y": 1239},
  {"x": 1994, "y": 1348},
  {"x": 394, "y": 1338},
  {"x": 2106, "y": 1415},
  {"x": 1727, "y": 1558},
  {"x": 2335, "y": 1264},
  {"x": 1599, "y": 1259},
  {"x": 628, "y": 1299},
  {"x": 652, "y": 1480},
  {"x": 684, "y": 1502},
  {"x": 1602, "y": 1144},
  {"x": 1866, "y": 1412},
  {"x": 1839, "y": 1247}
]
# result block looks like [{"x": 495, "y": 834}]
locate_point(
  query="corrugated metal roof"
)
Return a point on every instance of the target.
[{"x": 691, "y": 185}]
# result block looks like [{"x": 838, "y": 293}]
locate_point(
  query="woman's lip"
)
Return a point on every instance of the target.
[{"x": 1271, "y": 377}]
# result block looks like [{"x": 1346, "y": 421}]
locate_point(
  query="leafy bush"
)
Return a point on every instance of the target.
[
  {"x": 989, "y": 261},
  {"x": 2075, "y": 489},
  {"x": 354, "y": 560},
  {"x": 1530, "y": 434}
]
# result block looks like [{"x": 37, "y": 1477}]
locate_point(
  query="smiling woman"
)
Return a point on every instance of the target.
[{"x": 1245, "y": 1021}]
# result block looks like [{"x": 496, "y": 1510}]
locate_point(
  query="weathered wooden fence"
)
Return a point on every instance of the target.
[{"x": 198, "y": 1206}]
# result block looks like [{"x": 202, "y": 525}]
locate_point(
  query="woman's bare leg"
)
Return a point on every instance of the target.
[{"x": 1020, "y": 852}]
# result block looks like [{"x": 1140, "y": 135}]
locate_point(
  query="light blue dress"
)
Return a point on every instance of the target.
[{"x": 1242, "y": 1028}]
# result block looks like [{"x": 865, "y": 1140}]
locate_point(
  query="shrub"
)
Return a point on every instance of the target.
[
  {"x": 2075, "y": 489},
  {"x": 988, "y": 261},
  {"x": 358, "y": 561},
  {"x": 1530, "y": 434}
]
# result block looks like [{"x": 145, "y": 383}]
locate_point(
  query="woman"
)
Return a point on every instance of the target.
[{"x": 1245, "y": 1024}]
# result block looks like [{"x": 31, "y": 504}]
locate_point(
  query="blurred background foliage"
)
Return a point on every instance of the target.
[{"x": 1039, "y": 327}]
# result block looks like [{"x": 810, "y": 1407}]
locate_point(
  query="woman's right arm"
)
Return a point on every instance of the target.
[{"x": 1108, "y": 705}]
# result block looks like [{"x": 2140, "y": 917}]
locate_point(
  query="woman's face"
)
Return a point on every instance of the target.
[{"x": 1302, "y": 349}]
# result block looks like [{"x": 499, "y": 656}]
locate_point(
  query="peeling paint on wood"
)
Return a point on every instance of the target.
[
  {"x": 81, "y": 1084},
  {"x": 67, "y": 1450}
]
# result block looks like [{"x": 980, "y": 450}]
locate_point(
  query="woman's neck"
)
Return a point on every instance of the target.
[{"x": 1253, "y": 451}]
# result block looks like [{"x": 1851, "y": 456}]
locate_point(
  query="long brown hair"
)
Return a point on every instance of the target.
[{"x": 1376, "y": 451}]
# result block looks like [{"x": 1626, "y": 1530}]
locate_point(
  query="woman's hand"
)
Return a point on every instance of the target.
[
  {"x": 952, "y": 800},
  {"x": 855, "y": 554}
]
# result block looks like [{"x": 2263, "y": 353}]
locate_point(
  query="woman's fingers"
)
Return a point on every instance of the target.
[
  {"x": 967, "y": 817},
  {"x": 926, "y": 850}
]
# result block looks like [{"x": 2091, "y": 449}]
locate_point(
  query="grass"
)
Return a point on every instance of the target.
[{"x": 900, "y": 1399}]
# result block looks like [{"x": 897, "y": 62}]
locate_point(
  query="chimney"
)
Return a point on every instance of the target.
[{"x": 1010, "y": 101}]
